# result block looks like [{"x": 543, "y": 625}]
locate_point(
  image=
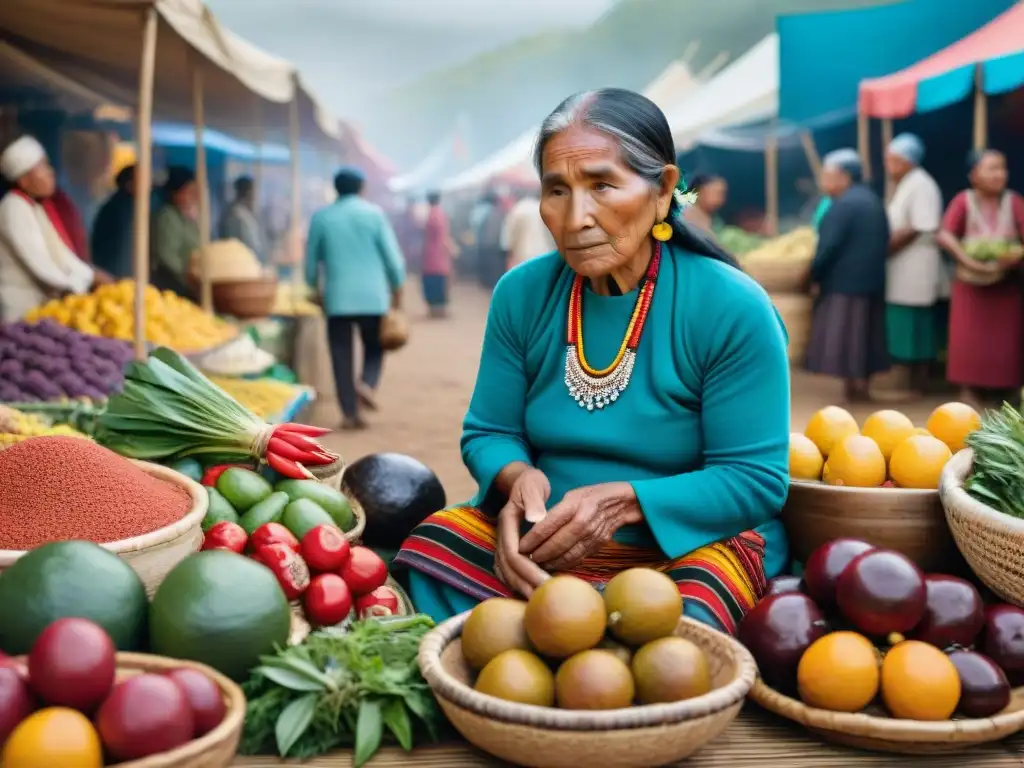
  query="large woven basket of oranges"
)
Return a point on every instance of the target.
[{"x": 877, "y": 481}]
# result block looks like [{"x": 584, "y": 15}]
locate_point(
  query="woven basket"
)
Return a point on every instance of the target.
[
  {"x": 245, "y": 299},
  {"x": 153, "y": 554},
  {"x": 796, "y": 311},
  {"x": 991, "y": 542},
  {"x": 624, "y": 738},
  {"x": 781, "y": 276},
  {"x": 872, "y": 730},
  {"x": 907, "y": 520}
]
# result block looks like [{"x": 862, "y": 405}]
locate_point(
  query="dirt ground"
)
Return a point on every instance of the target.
[{"x": 427, "y": 385}]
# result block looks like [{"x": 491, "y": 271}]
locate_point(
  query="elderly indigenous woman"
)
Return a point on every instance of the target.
[
  {"x": 632, "y": 402},
  {"x": 986, "y": 324},
  {"x": 848, "y": 329},
  {"x": 916, "y": 272},
  {"x": 37, "y": 260}
]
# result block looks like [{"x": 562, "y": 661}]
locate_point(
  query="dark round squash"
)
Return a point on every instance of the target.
[{"x": 397, "y": 492}]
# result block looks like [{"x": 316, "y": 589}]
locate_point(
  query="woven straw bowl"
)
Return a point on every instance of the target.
[
  {"x": 796, "y": 311},
  {"x": 623, "y": 738},
  {"x": 215, "y": 749},
  {"x": 245, "y": 299},
  {"x": 907, "y": 520},
  {"x": 992, "y": 543},
  {"x": 154, "y": 554},
  {"x": 873, "y": 731},
  {"x": 781, "y": 276}
]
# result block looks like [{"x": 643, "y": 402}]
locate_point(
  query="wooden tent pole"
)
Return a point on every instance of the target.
[
  {"x": 864, "y": 143},
  {"x": 886, "y": 141},
  {"x": 811, "y": 152},
  {"x": 257, "y": 166},
  {"x": 980, "y": 109},
  {"x": 298, "y": 273},
  {"x": 771, "y": 182},
  {"x": 202, "y": 182},
  {"x": 144, "y": 176}
]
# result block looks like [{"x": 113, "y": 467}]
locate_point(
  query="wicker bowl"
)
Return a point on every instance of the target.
[
  {"x": 245, "y": 299},
  {"x": 796, "y": 311},
  {"x": 153, "y": 554},
  {"x": 872, "y": 730},
  {"x": 624, "y": 738},
  {"x": 992, "y": 543},
  {"x": 907, "y": 520},
  {"x": 215, "y": 749},
  {"x": 779, "y": 276}
]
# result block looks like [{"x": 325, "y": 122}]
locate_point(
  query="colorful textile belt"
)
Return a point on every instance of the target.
[{"x": 456, "y": 547}]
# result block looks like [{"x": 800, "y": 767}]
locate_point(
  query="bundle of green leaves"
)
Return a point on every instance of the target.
[{"x": 997, "y": 477}]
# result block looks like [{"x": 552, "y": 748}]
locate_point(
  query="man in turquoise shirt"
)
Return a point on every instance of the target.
[{"x": 353, "y": 259}]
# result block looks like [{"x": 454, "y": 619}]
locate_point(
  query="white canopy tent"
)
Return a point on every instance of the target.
[{"x": 745, "y": 91}]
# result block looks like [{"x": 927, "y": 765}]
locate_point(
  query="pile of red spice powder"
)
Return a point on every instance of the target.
[{"x": 59, "y": 488}]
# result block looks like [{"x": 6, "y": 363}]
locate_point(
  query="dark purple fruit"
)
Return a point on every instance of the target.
[
  {"x": 1004, "y": 638},
  {"x": 777, "y": 632},
  {"x": 16, "y": 701},
  {"x": 881, "y": 592},
  {"x": 984, "y": 689},
  {"x": 782, "y": 585},
  {"x": 953, "y": 612},
  {"x": 824, "y": 566}
]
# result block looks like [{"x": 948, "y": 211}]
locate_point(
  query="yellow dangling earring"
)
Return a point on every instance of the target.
[{"x": 662, "y": 231}]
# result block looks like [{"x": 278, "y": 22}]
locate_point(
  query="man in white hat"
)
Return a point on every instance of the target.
[{"x": 36, "y": 257}]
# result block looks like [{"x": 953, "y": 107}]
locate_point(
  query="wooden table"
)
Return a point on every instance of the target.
[{"x": 755, "y": 739}]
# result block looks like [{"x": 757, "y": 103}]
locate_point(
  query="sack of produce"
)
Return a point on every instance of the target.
[
  {"x": 228, "y": 260},
  {"x": 168, "y": 409},
  {"x": 241, "y": 357}
]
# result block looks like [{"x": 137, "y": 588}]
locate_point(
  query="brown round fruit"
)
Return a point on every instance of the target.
[
  {"x": 594, "y": 680},
  {"x": 204, "y": 697},
  {"x": 618, "y": 650},
  {"x": 493, "y": 627},
  {"x": 518, "y": 676},
  {"x": 670, "y": 669},
  {"x": 144, "y": 715},
  {"x": 72, "y": 664},
  {"x": 643, "y": 605},
  {"x": 564, "y": 616}
]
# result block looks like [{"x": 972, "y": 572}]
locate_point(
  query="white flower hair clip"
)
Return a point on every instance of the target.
[{"x": 684, "y": 198}]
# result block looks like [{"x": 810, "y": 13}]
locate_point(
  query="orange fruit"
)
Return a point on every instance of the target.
[
  {"x": 917, "y": 462},
  {"x": 856, "y": 461},
  {"x": 952, "y": 423},
  {"x": 838, "y": 672},
  {"x": 830, "y": 425},
  {"x": 888, "y": 429},
  {"x": 805, "y": 460},
  {"x": 51, "y": 737},
  {"x": 922, "y": 431},
  {"x": 919, "y": 682}
]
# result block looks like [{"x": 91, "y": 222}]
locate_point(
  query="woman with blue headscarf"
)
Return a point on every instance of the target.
[
  {"x": 848, "y": 330},
  {"x": 916, "y": 274}
]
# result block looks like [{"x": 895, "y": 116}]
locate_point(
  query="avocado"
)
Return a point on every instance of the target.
[
  {"x": 218, "y": 510},
  {"x": 221, "y": 609},
  {"x": 397, "y": 492},
  {"x": 267, "y": 511},
  {"x": 71, "y": 579},
  {"x": 333, "y": 502},
  {"x": 188, "y": 467},
  {"x": 302, "y": 515},
  {"x": 242, "y": 488}
]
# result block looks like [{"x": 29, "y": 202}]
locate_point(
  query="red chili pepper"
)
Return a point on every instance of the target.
[
  {"x": 303, "y": 429},
  {"x": 272, "y": 533},
  {"x": 211, "y": 474},
  {"x": 304, "y": 443},
  {"x": 381, "y": 602},
  {"x": 325, "y": 549},
  {"x": 289, "y": 451},
  {"x": 288, "y": 566},
  {"x": 287, "y": 467},
  {"x": 327, "y": 601},
  {"x": 228, "y": 535}
]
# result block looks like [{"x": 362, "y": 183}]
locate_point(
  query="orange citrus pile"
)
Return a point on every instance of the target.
[{"x": 888, "y": 449}]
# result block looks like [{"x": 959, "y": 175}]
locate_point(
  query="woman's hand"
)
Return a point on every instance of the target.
[
  {"x": 527, "y": 500},
  {"x": 580, "y": 525}
]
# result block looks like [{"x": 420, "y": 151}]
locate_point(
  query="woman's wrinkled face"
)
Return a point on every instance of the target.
[
  {"x": 40, "y": 182},
  {"x": 598, "y": 210},
  {"x": 990, "y": 174}
]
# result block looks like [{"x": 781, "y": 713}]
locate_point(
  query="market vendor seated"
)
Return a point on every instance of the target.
[
  {"x": 37, "y": 257},
  {"x": 632, "y": 402}
]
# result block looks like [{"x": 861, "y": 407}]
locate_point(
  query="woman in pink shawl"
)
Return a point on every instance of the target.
[{"x": 438, "y": 251}]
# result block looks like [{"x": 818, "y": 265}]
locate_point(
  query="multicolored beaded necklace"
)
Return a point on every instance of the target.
[{"x": 592, "y": 388}]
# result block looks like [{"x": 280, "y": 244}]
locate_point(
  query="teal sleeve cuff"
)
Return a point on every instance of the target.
[{"x": 487, "y": 455}]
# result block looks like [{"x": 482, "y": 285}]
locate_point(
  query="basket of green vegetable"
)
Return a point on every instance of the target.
[
  {"x": 354, "y": 688},
  {"x": 982, "y": 491}
]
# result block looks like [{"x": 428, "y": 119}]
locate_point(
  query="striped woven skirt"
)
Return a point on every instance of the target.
[{"x": 456, "y": 547}]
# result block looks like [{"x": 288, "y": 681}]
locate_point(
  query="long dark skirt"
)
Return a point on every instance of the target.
[
  {"x": 848, "y": 338},
  {"x": 435, "y": 290}
]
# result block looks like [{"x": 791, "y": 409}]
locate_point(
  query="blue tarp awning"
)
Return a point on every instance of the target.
[{"x": 180, "y": 135}]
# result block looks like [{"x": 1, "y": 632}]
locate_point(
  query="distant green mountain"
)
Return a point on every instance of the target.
[{"x": 505, "y": 91}]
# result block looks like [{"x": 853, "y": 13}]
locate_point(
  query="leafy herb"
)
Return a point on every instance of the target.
[
  {"x": 341, "y": 688},
  {"x": 997, "y": 478}
]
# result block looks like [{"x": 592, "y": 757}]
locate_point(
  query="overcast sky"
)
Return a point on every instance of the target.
[{"x": 349, "y": 50}]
